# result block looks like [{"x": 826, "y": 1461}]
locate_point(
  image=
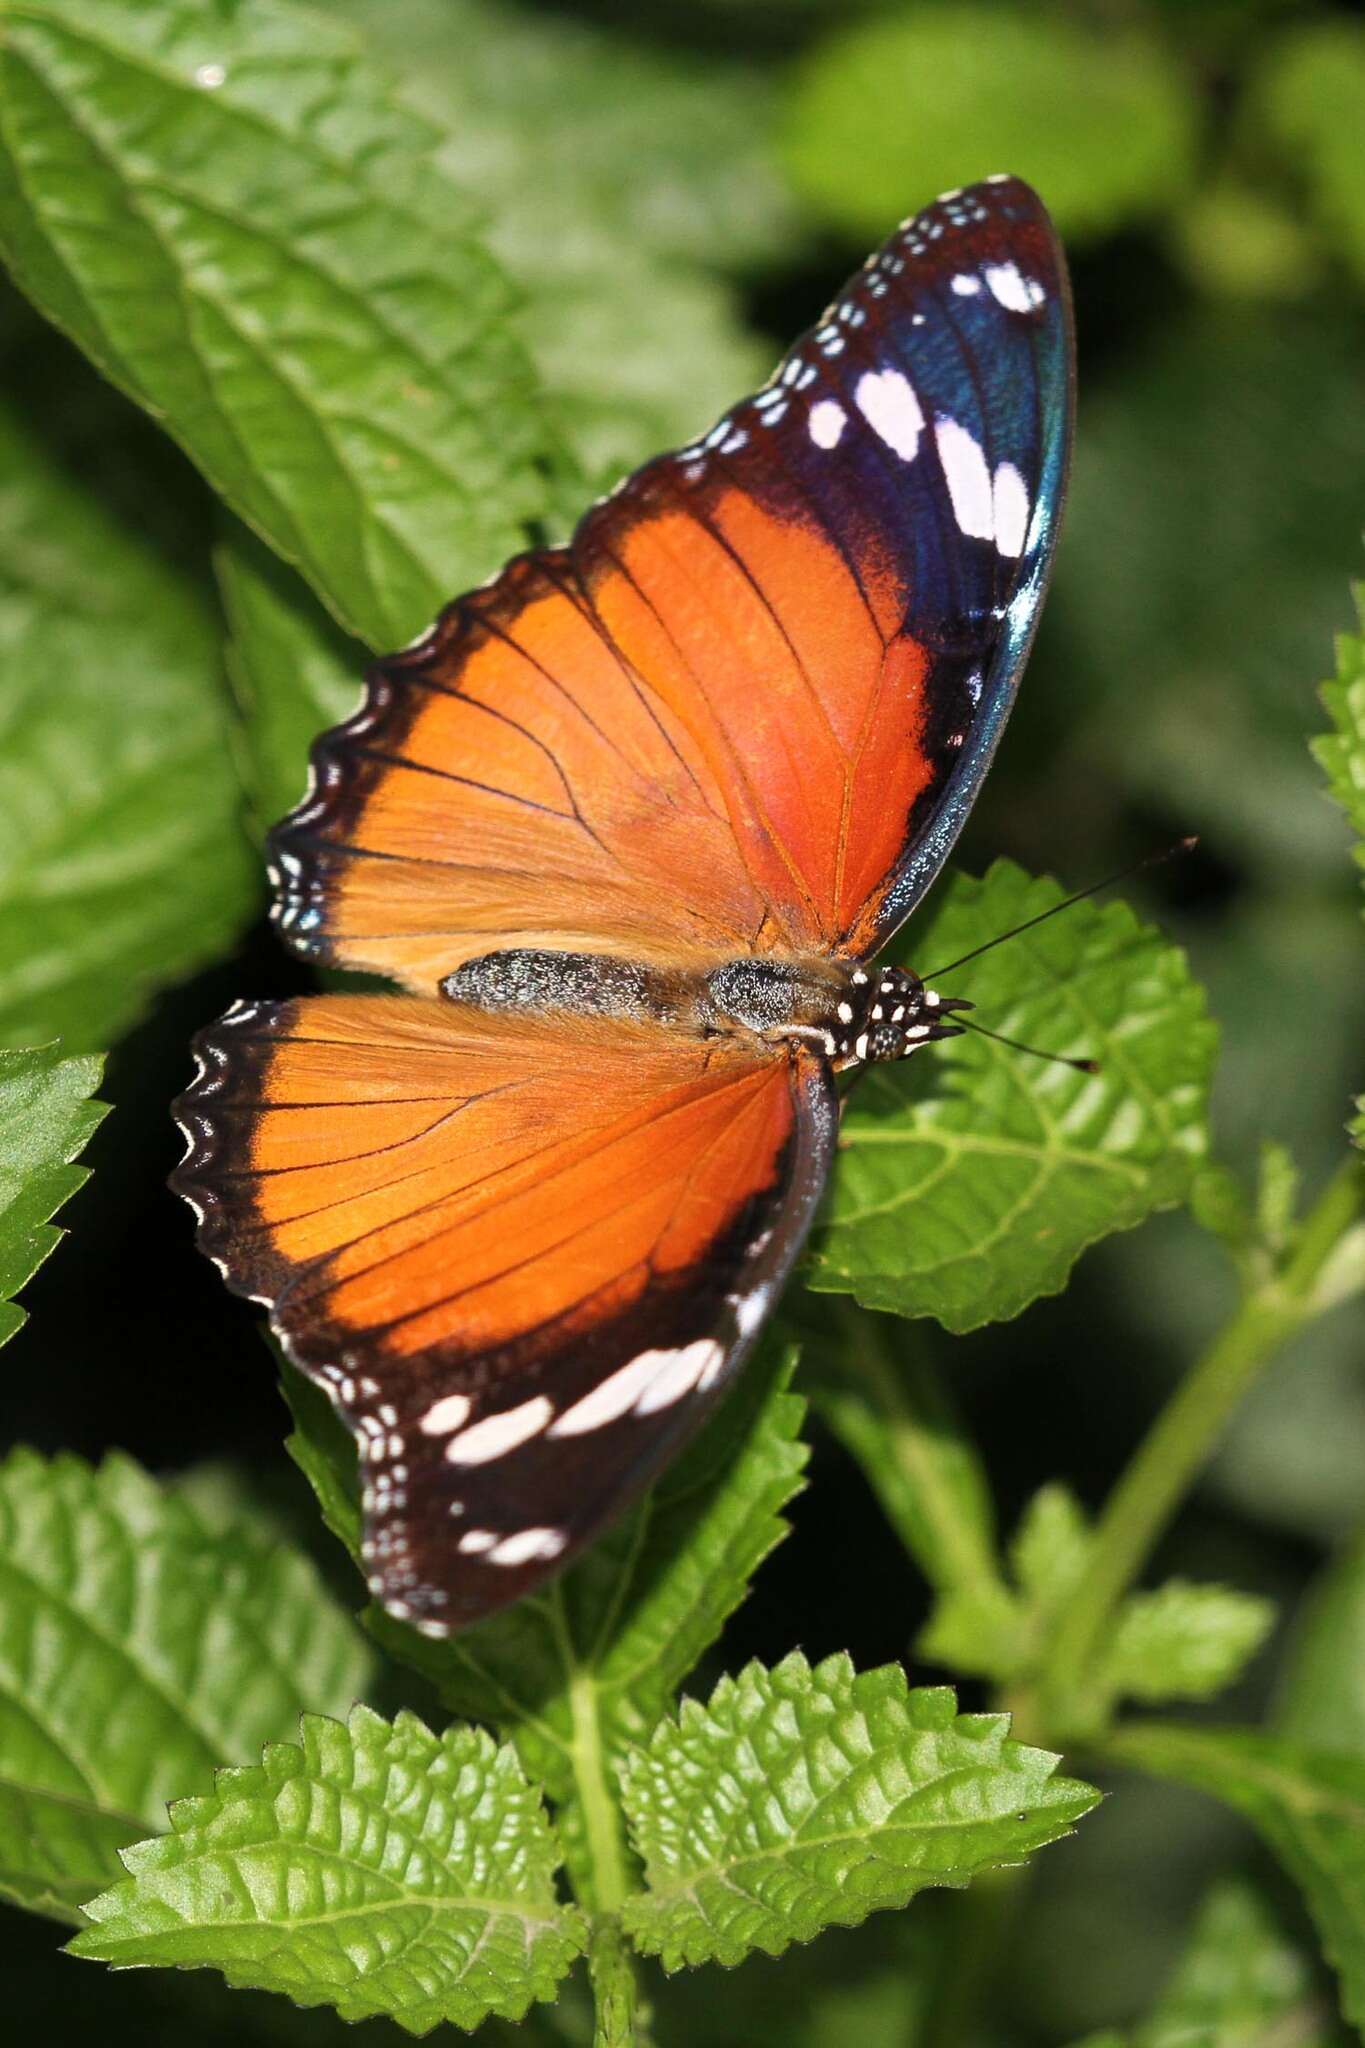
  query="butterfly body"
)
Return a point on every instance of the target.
[
  {"x": 849, "y": 1014},
  {"x": 627, "y": 828}
]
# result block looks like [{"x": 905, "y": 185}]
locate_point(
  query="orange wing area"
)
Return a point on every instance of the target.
[
  {"x": 657, "y": 752},
  {"x": 524, "y": 1261},
  {"x": 511, "y": 781},
  {"x": 789, "y": 667}
]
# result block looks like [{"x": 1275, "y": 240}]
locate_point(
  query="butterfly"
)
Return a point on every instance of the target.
[{"x": 627, "y": 827}]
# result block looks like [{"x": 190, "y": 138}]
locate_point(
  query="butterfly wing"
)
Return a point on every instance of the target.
[
  {"x": 750, "y": 704},
  {"x": 839, "y": 585},
  {"x": 523, "y": 1260}
]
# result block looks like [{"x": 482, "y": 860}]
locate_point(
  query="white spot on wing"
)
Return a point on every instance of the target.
[
  {"x": 967, "y": 284},
  {"x": 445, "y": 1415},
  {"x": 1011, "y": 510},
  {"x": 498, "y": 1434},
  {"x": 1015, "y": 292},
  {"x": 618, "y": 1392},
  {"x": 474, "y": 1541},
  {"x": 678, "y": 1372},
  {"x": 827, "y": 422},
  {"x": 750, "y": 1310},
  {"x": 526, "y": 1544},
  {"x": 888, "y": 403},
  {"x": 967, "y": 477}
]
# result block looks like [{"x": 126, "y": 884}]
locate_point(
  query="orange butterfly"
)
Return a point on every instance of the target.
[{"x": 628, "y": 826}]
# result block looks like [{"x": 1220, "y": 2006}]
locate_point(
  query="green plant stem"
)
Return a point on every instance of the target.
[
  {"x": 1179, "y": 1444},
  {"x": 621, "y": 2017},
  {"x": 895, "y": 1418},
  {"x": 601, "y": 1875}
]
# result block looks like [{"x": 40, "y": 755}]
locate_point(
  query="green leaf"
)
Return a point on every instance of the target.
[
  {"x": 1341, "y": 754},
  {"x": 46, "y": 1118},
  {"x": 968, "y": 1202},
  {"x": 122, "y": 863},
  {"x": 1307, "y": 94},
  {"x": 377, "y": 1868},
  {"x": 1277, "y": 1198},
  {"x": 1308, "y": 1805},
  {"x": 1050, "y": 1548},
  {"x": 997, "y": 1632},
  {"x": 1322, "y": 1703},
  {"x": 1241, "y": 1983},
  {"x": 1183, "y": 1642},
  {"x": 982, "y": 1629},
  {"x": 227, "y": 213},
  {"x": 798, "y": 1799},
  {"x": 887, "y": 112},
  {"x": 1219, "y": 1204},
  {"x": 294, "y": 672},
  {"x": 1180, "y": 1641},
  {"x": 138, "y": 1649},
  {"x": 576, "y": 1673},
  {"x": 619, "y": 178}
]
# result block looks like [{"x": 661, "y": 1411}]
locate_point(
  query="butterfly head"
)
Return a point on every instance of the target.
[{"x": 887, "y": 1014}]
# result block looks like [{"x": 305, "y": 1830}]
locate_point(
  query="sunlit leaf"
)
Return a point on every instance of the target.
[
  {"x": 797, "y": 1799},
  {"x": 968, "y": 1201},
  {"x": 619, "y": 178},
  {"x": 46, "y": 1117},
  {"x": 377, "y": 1868},
  {"x": 227, "y": 212},
  {"x": 139, "y": 1649}
]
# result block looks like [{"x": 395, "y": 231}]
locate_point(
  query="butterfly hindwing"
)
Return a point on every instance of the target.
[{"x": 523, "y": 1261}]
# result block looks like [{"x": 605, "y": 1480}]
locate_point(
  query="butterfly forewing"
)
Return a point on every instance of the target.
[{"x": 751, "y": 703}]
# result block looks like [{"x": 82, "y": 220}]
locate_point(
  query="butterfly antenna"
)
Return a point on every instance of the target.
[
  {"x": 1058, "y": 1059},
  {"x": 1150, "y": 860}
]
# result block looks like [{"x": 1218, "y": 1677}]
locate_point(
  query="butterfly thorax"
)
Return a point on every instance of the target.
[{"x": 851, "y": 1014}]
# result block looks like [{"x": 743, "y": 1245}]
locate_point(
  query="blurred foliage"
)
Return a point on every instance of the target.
[
  {"x": 621, "y": 186},
  {"x": 1102, "y": 123},
  {"x": 1306, "y": 92},
  {"x": 673, "y": 187}
]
